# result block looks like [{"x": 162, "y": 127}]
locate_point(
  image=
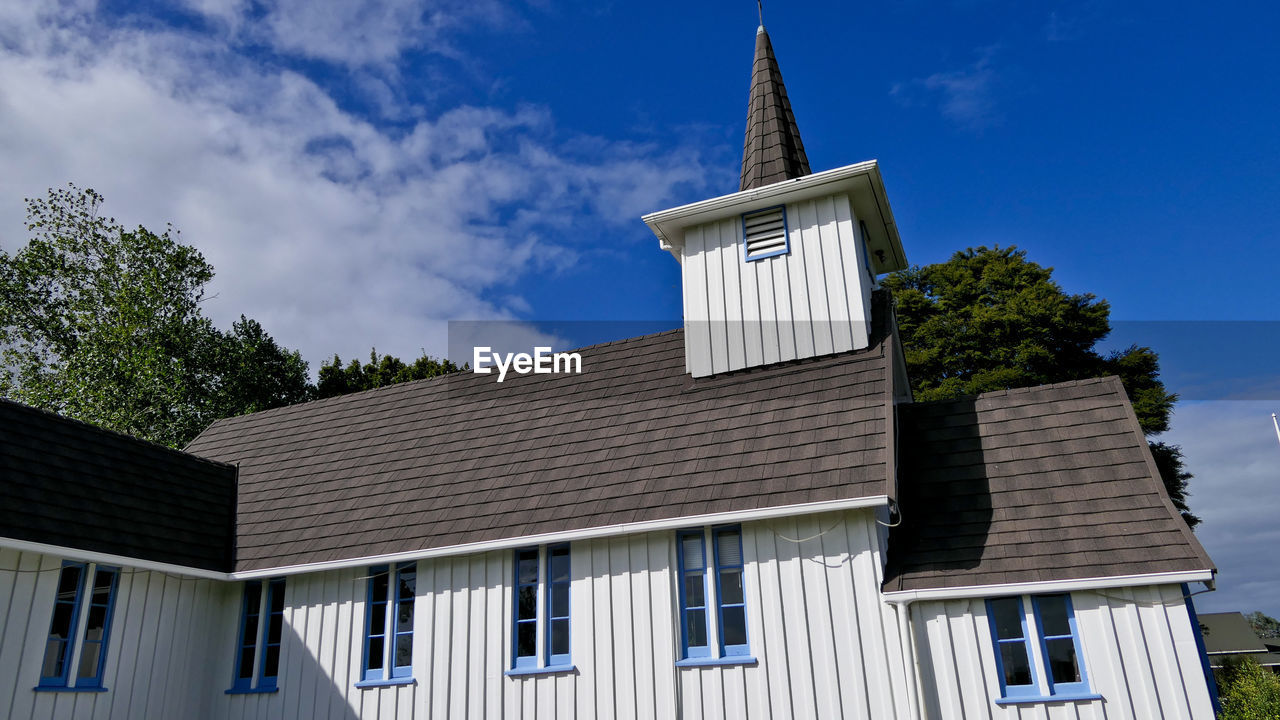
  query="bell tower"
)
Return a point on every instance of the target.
[{"x": 783, "y": 269}]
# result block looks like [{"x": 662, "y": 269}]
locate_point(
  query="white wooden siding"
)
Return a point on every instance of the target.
[
  {"x": 814, "y": 300},
  {"x": 158, "y": 651},
  {"x": 1139, "y": 653}
]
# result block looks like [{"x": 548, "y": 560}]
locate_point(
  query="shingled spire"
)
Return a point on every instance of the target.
[{"x": 772, "y": 151}]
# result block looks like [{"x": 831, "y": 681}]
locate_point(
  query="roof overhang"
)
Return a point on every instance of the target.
[{"x": 861, "y": 181}]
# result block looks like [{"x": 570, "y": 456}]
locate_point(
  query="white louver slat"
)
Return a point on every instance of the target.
[{"x": 764, "y": 233}]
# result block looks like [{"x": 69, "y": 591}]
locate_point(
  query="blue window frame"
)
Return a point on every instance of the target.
[
  {"x": 1012, "y": 648},
  {"x": 82, "y": 609},
  {"x": 1043, "y": 642},
  {"x": 388, "y": 644},
  {"x": 1060, "y": 645},
  {"x": 257, "y": 663},
  {"x": 728, "y": 634},
  {"x": 540, "y": 632}
]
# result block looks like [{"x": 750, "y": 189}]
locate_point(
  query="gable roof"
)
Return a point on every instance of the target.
[
  {"x": 461, "y": 459},
  {"x": 1048, "y": 483},
  {"x": 1229, "y": 633},
  {"x": 70, "y": 484}
]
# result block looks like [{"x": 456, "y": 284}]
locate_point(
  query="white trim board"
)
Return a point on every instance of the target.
[{"x": 1049, "y": 586}]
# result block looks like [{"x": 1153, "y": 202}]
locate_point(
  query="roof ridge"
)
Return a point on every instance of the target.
[
  {"x": 405, "y": 385},
  {"x": 1020, "y": 390}
]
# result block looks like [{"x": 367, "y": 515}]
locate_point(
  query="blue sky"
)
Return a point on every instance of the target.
[{"x": 362, "y": 173}]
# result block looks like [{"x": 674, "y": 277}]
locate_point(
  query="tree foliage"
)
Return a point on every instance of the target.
[
  {"x": 380, "y": 371},
  {"x": 1248, "y": 691},
  {"x": 103, "y": 324},
  {"x": 1264, "y": 626},
  {"x": 989, "y": 319}
]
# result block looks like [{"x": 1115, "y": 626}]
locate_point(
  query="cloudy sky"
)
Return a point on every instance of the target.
[{"x": 360, "y": 173}]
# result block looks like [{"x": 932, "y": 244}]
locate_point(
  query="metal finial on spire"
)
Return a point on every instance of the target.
[{"x": 760, "y": 8}]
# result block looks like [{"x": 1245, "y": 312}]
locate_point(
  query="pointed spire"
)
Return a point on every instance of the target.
[{"x": 772, "y": 151}]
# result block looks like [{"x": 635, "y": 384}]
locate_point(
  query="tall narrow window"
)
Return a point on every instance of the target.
[
  {"x": 388, "y": 646},
  {"x": 93, "y": 655},
  {"x": 261, "y": 632},
  {"x": 82, "y": 609},
  {"x": 729, "y": 595},
  {"x": 558, "y": 605},
  {"x": 711, "y": 573},
  {"x": 1013, "y": 655},
  {"x": 1060, "y": 644},
  {"x": 541, "y": 610},
  {"x": 693, "y": 594}
]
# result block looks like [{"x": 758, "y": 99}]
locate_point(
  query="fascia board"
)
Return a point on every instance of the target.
[{"x": 1049, "y": 586}]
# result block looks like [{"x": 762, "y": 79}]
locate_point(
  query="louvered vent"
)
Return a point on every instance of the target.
[{"x": 764, "y": 233}]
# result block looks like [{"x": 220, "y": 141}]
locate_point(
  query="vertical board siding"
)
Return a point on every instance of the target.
[
  {"x": 815, "y": 300},
  {"x": 1138, "y": 651},
  {"x": 825, "y": 644},
  {"x": 158, "y": 643}
]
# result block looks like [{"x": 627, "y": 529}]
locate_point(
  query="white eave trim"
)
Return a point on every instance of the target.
[
  {"x": 767, "y": 195},
  {"x": 669, "y": 225},
  {"x": 109, "y": 559},
  {"x": 736, "y": 516},
  {"x": 1049, "y": 586}
]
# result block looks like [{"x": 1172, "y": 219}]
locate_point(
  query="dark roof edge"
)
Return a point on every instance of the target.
[
  {"x": 1154, "y": 472},
  {"x": 147, "y": 444}
]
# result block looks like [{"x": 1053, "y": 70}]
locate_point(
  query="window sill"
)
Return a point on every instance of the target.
[
  {"x": 709, "y": 662},
  {"x": 548, "y": 670},
  {"x": 1072, "y": 697},
  {"x": 393, "y": 682},
  {"x": 252, "y": 691},
  {"x": 59, "y": 688}
]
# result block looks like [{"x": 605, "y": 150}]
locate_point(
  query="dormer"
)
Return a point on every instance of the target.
[{"x": 783, "y": 269}]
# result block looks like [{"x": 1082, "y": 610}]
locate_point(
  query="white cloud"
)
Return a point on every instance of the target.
[
  {"x": 966, "y": 96},
  {"x": 1232, "y": 449},
  {"x": 335, "y": 234}
]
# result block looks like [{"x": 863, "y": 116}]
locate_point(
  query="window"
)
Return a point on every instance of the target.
[
  {"x": 764, "y": 233},
  {"x": 261, "y": 629},
  {"x": 82, "y": 609},
  {"x": 388, "y": 644},
  {"x": 1042, "y": 643},
  {"x": 718, "y": 552},
  {"x": 540, "y": 609}
]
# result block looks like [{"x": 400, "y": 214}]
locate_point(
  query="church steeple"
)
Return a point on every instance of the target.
[{"x": 772, "y": 151}]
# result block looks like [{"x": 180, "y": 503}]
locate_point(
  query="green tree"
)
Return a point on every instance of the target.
[
  {"x": 380, "y": 371},
  {"x": 1248, "y": 691},
  {"x": 989, "y": 319},
  {"x": 103, "y": 324},
  {"x": 1264, "y": 626}
]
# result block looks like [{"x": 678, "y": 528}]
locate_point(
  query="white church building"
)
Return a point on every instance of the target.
[{"x": 748, "y": 517}]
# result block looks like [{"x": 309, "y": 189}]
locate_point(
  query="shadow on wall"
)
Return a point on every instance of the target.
[
  {"x": 943, "y": 493},
  {"x": 307, "y": 692}
]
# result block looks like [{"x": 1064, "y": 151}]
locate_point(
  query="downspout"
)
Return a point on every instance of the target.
[{"x": 910, "y": 668}]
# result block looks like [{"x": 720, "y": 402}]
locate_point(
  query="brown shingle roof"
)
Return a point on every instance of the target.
[
  {"x": 1048, "y": 483},
  {"x": 70, "y": 484},
  {"x": 462, "y": 459},
  {"x": 772, "y": 150}
]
